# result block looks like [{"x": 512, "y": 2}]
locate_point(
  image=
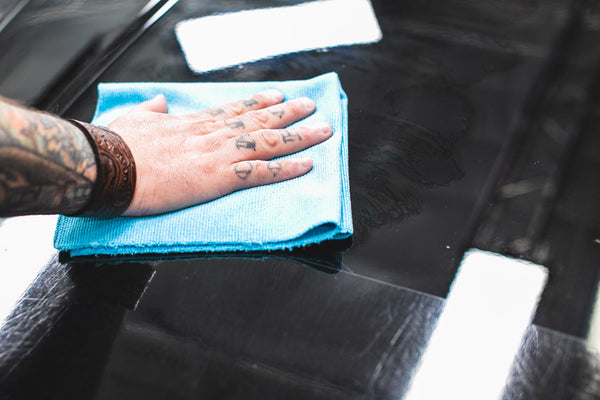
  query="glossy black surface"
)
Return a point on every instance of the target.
[
  {"x": 553, "y": 366},
  {"x": 270, "y": 330},
  {"x": 472, "y": 123},
  {"x": 60, "y": 333}
]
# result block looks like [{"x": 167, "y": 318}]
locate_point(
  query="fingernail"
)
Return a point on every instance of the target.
[
  {"x": 308, "y": 103},
  {"x": 304, "y": 164},
  {"x": 323, "y": 127}
]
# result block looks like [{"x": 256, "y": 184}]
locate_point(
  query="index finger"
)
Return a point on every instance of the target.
[{"x": 257, "y": 101}]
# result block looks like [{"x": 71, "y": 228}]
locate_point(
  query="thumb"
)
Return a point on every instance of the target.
[{"x": 158, "y": 104}]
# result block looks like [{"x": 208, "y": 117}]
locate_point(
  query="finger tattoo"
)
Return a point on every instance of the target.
[
  {"x": 278, "y": 112},
  {"x": 243, "y": 170},
  {"x": 235, "y": 123},
  {"x": 290, "y": 136},
  {"x": 215, "y": 112},
  {"x": 274, "y": 167},
  {"x": 245, "y": 142},
  {"x": 249, "y": 103}
]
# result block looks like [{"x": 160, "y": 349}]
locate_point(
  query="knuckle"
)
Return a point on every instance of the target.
[
  {"x": 212, "y": 144},
  {"x": 207, "y": 169},
  {"x": 275, "y": 169},
  {"x": 268, "y": 137},
  {"x": 236, "y": 108},
  {"x": 303, "y": 130},
  {"x": 261, "y": 99},
  {"x": 295, "y": 107},
  {"x": 261, "y": 170},
  {"x": 200, "y": 127},
  {"x": 244, "y": 171},
  {"x": 261, "y": 118}
]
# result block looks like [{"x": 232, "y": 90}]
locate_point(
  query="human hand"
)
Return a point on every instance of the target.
[{"x": 191, "y": 159}]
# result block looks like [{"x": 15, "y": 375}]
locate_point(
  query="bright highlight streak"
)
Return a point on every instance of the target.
[
  {"x": 221, "y": 41},
  {"x": 25, "y": 249},
  {"x": 593, "y": 336},
  {"x": 490, "y": 305}
]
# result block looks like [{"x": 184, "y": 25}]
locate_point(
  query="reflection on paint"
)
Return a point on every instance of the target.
[
  {"x": 489, "y": 307},
  {"x": 221, "y": 41},
  {"x": 25, "y": 248},
  {"x": 593, "y": 336}
]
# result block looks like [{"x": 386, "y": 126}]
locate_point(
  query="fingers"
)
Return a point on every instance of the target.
[
  {"x": 157, "y": 104},
  {"x": 266, "y": 144},
  {"x": 184, "y": 160},
  {"x": 273, "y": 117},
  {"x": 255, "y": 102},
  {"x": 246, "y": 174}
]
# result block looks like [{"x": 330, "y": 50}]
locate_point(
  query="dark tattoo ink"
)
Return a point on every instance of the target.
[
  {"x": 47, "y": 165},
  {"x": 274, "y": 167},
  {"x": 290, "y": 136},
  {"x": 245, "y": 142},
  {"x": 235, "y": 124},
  {"x": 216, "y": 111},
  {"x": 243, "y": 170},
  {"x": 278, "y": 112},
  {"x": 249, "y": 103}
]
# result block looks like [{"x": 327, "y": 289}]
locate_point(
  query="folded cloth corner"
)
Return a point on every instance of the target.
[{"x": 285, "y": 215}]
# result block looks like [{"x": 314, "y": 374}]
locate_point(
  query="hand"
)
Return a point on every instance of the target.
[{"x": 191, "y": 159}]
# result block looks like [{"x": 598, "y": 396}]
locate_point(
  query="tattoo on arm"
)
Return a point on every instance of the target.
[
  {"x": 289, "y": 135},
  {"x": 245, "y": 142},
  {"x": 243, "y": 170},
  {"x": 249, "y": 103},
  {"x": 274, "y": 167},
  {"x": 47, "y": 165},
  {"x": 235, "y": 123}
]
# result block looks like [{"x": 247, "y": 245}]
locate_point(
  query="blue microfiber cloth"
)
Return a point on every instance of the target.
[{"x": 298, "y": 212}]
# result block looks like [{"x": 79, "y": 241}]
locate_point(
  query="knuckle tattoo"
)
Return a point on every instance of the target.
[
  {"x": 289, "y": 135},
  {"x": 243, "y": 170},
  {"x": 245, "y": 142},
  {"x": 249, "y": 102},
  {"x": 215, "y": 112},
  {"x": 277, "y": 112},
  {"x": 235, "y": 123},
  {"x": 274, "y": 167}
]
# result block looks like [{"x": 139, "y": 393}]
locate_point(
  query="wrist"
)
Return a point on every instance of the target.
[{"x": 116, "y": 173}]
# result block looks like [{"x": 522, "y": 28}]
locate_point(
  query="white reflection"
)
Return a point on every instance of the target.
[
  {"x": 489, "y": 307},
  {"x": 593, "y": 336},
  {"x": 226, "y": 40},
  {"x": 25, "y": 248}
]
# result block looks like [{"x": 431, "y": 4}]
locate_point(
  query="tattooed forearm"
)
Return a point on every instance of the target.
[
  {"x": 47, "y": 165},
  {"x": 243, "y": 170}
]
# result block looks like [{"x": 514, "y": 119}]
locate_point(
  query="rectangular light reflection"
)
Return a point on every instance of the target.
[
  {"x": 488, "y": 309},
  {"x": 25, "y": 248},
  {"x": 225, "y": 40}
]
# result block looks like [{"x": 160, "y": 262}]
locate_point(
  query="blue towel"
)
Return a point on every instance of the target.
[{"x": 298, "y": 212}]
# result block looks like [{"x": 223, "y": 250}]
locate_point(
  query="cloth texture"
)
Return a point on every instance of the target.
[{"x": 284, "y": 215}]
